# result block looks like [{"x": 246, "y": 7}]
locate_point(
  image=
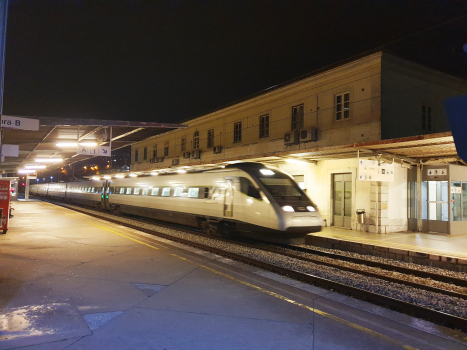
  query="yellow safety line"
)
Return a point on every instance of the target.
[
  {"x": 360, "y": 240},
  {"x": 125, "y": 236},
  {"x": 309, "y": 308}
]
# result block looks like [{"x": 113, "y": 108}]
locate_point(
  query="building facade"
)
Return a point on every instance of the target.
[{"x": 366, "y": 101}]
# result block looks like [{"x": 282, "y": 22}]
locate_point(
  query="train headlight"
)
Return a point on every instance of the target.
[
  {"x": 310, "y": 208},
  {"x": 288, "y": 208}
]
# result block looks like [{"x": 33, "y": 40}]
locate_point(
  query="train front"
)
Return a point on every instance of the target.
[{"x": 297, "y": 214}]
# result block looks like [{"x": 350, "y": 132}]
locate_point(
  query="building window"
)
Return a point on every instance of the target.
[
  {"x": 426, "y": 118},
  {"x": 297, "y": 117},
  {"x": 154, "y": 151},
  {"x": 145, "y": 153},
  {"x": 343, "y": 106},
  {"x": 196, "y": 140},
  {"x": 211, "y": 138},
  {"x": 136, "y": 155},
  {"x": 183, "y": 144},
  {"x": 238, "y": 132},
  {"x": 264, "y": 126},
  {"x": 166, "y": 149}
]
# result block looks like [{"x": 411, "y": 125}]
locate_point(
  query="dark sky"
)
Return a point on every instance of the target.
[{"x": 170, "y": 61}]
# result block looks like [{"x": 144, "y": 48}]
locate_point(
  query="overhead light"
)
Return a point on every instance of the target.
[
  {"x": 95, "y": 178},
  {"x": 48, "y": 160},
  {"x": 26, "y": 171},
  {"x": 154, "y": 173},
  {"x": 119, "y": 176},
  {"x": 107, "y": 177},
  {"x": 181, "y": 171},
  {"x": 89, "y": 144},
  {"x": 75, "y": 144},
  {"x": 133, "y": 175},
  {"x": 34, "y": 166},
  {"x": 296, "y": 161}
]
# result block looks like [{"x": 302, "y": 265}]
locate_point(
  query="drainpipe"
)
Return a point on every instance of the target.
[{"x": 419, "y": 197}]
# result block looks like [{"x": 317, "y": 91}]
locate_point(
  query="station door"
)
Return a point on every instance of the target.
[{"x": 342, "y": 200}]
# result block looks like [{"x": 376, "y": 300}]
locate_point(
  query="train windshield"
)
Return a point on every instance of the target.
[{"x": 281, "y": 186}]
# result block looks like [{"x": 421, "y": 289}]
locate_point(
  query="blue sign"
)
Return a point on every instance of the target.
[{"x": 456, "y": 111}]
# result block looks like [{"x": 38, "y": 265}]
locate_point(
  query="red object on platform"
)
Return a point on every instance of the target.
[{"x": 5, "y": 194}]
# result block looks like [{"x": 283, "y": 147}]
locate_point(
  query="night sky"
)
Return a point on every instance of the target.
[{"x": 172, "y": 61}]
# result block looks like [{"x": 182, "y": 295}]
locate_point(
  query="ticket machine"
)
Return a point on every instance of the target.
[{"x": 4, "y": 204}]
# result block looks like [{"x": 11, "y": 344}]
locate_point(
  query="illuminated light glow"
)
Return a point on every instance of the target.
[
  {"x": 35, "y": 166},
  {"x": 48, "y": 160},
  {"x": 310, "y": 208},
  {"x": 181, "y": 171},
  {"x": 154, "y": 173},
  {"x": 296, "y": 161},
  {"x": 249, "y": 201},
  {"x": 288, "y": 208},
  {"x": 75, "y": 144},
  {"x": 119, "y": 176},
  {"x": 133, "y": 175},
  {"x": 95, "y": 178},
  {"x": 26, "y": 171},
  {"x": 267, "y": 172},
  {"x": 107, "y": 177},
  {"x": 88, "y": 144}
]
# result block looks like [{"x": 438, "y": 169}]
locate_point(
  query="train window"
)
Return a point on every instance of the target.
[
  {"x": 165, "y": 191},
  {"x": 206, "y": 192},
  {"x": 128, "y": 190},
  {"x": 111, "y": 190},
  {"x": 145, "y": 191},
  {"x": 155, "y": 191},
  {"x": 136, "y": 190},
  {"x": 122, "y": 190},
  {"x": 246, "y": 186},
  {"x": 193, "y": 192},
  {"x": 178, "y": 191},
  {"x": 281, "y": 187}
]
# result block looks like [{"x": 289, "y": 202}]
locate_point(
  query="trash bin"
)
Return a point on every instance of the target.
[{"x": 361, "y": 216}]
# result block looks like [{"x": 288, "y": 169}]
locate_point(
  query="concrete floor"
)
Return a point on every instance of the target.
[{"x": 70, "y": 281}]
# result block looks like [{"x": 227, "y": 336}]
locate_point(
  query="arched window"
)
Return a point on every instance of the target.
[{"x": 196, "y": 140}]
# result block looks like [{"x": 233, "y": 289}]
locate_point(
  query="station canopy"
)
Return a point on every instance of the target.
[{"x": 53, "y": 131}]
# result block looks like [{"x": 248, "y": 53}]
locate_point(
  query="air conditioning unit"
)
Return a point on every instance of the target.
[
  {"x": 291, "y": 138},
  {"x": 152, "y": 160},
  {"x": 159, "y": 159},
  {"x": 175, "y": 161},
  {"x": 217, "y": 150},
  {"x": 307, "y": 135},
  {"x": 196, "y": 154},
  {"x": 186, "y": 155}
]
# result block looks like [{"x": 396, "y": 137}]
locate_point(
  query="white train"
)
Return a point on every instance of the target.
[{"x": 248, "y": 198}]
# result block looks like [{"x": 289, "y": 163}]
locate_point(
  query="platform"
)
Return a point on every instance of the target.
[
  {"x": 431, "y": 249},
  {"x": 71, "y": 281}
]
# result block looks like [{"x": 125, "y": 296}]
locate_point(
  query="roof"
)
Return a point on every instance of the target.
[{"x": 43, "y": 143}]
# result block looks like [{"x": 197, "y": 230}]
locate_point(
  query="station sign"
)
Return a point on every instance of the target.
[
  {"x": 19, "y": 123},
  {"x": 372, "y": 170},
  {"x": 437, "y": 172},
  {"x": 104, "y": 151}
]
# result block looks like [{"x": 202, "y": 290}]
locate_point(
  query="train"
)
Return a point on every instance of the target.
[{"x": 249, "y": 199}]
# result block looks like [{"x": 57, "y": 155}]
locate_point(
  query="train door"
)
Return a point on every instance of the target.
[
  {"x": 342, "y": 200},
  {"x": 105, "y": 195},
  {"x": 228, "y": 199}
]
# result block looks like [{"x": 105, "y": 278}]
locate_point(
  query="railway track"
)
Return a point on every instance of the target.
[{"x": 313, "y": 256}]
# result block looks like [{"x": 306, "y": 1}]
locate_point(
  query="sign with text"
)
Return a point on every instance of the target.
[
  {"x": 437, "y": 172},
  {"x": 20, "y": 123},
  {"x": 95, "y": 151},
  {"x": 371, "y": 170}
]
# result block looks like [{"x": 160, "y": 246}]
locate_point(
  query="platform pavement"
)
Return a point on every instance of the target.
[{"x": 70, "y": 281}]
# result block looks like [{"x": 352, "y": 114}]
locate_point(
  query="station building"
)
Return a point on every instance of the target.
[{"x": 321, "y": 126}]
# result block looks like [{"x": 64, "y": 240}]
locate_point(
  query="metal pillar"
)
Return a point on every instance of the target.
[{"x": 419, "y": 198}]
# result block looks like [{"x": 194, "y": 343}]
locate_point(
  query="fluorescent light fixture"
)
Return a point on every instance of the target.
[
  {"x": 133, "y": 175},
  {"x": 26, "y": 171},
  {"x": 34, "y": 166},
  {"x": 181, "y": 171},
  {"x": 119, "y": 176},
  {"x": 95, "y": 178},
  {"x": 89, "y": 144},
  {"x": 107, "y": 177},
  {"x": 266, "y": 172},
  {"x": 75, "y": 144},
  {"x": 296, "y": 161},
  {"x": 288, "y": 208},
  {"x": 48, "y": 160},
  {"x": 154, "y": 173}
]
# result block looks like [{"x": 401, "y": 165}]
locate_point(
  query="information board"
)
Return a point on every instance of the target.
[{"x": 372, "y": 170}]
